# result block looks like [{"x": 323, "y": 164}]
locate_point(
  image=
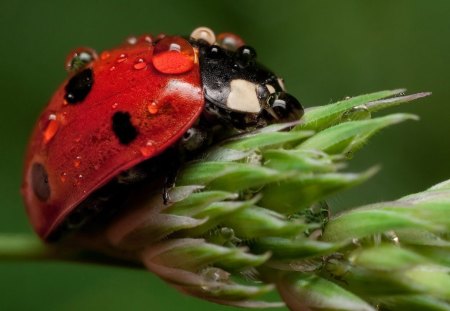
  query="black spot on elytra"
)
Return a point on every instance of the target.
[
  {"x": 123, "y": 128},
  {"x": 39, "y": 182},
  {"x": 79, "y": 86}
]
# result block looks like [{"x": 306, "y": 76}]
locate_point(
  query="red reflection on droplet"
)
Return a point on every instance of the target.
[{"x": 173, "y": 55}]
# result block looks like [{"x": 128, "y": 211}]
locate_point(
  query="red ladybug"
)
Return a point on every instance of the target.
[{"x": 134, "y": 113}]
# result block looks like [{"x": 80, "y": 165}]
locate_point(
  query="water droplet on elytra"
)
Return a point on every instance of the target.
[
  {"x": 122, "y": 57},
  {"x": 79, "y": 58},
  {"x": 356, "y": 113},
  {"x": 139, "y": 64},
  {"x": 173, "y": 55},
  {"x": 148, "y": 149},
  {"x": 152, "y": 107},
  {"x": 51, "y": 128},
  {"x": 115, "y": 105},
  {"x": 105, "y": 55},
  {"x": 63, "y": 177},
  {"x": 77, "y": 162},
  {"x": 146, "y": 39}
]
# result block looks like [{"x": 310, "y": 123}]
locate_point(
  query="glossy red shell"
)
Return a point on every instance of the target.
[{"x": 76, "y": 144}]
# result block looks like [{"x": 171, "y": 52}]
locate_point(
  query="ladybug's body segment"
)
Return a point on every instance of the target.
[{"x": 133, "y": 103}]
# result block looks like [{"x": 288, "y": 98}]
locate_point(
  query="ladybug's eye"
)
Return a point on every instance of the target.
[
  {"x": 204, "y": 34},
  {"x": 39, "y": 182}
]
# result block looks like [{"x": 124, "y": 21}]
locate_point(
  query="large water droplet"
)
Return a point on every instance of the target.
[
  {"x": 51, "y": 128},
  {"x": 230, "y": 41},
  {"x": 79, "y": 58},
  {"x": 204, "y": 34},
  {"x": 139, "y": 64},
  {"x": 173, "y": 55},
  {"x": 356, "y": 113}
]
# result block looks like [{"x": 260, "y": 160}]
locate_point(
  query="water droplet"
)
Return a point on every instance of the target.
[
  {"x": 78, "y": 179},
  {"x": 152, "y": 107},
  {"x": 79, "y": 58},
  {"x": 148, "y": 149},
  {"x": 356, "y": 113},
  {"x": 212, "y": 278},
  {"x": 51, "y": 128},
  {"x": 204, "y": 34},
  {"x": 245, "y": 55},
  {"x": 146, "y": 39},
  {"x": 230, "y": 41},
  {"x": 173, "y": 55},
  {"x": 77, "y": 162},
  {"x": 115, "y": 105},
  {"x": 105, "y": 55},
  {"x": 122, "y": 57},
  {"x": 139, "y": 64},
  {"x": 63, "y": 177},
  {"x": 132, "y": 40},
  {"x": 160, "y": 36}
]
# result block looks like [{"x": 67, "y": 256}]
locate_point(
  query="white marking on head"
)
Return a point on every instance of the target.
[
  {"x": 243, "y": 96},
  {"x": 270, "y": 88}
]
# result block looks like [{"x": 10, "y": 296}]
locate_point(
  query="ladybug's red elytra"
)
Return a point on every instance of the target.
[{"x": 123, "y": 114}]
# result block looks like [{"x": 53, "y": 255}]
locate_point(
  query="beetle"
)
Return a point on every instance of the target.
[{"x": 136, "y": 112}]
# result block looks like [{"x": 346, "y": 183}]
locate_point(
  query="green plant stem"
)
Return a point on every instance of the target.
[{"x": 24, "y": 247}]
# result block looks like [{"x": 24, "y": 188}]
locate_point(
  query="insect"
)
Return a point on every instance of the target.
[{"x": 134, "y": 112}]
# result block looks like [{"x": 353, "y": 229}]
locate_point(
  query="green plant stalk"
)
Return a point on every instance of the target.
[{"x": 250, "y": 217}]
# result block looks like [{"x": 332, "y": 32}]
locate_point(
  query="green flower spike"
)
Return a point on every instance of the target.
[{"x": 250, "y": 217}]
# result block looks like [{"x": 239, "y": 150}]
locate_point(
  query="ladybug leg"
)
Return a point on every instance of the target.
[{"x": 169, "y": 182}]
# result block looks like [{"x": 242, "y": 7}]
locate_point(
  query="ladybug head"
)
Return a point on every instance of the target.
[{"x": 238, "y": 90}]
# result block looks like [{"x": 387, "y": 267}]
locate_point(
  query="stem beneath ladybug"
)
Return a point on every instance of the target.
[{"x": 23, "y": 247}]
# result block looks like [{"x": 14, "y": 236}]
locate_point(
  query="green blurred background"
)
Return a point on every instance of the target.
[{"x": 325, "y": 50}]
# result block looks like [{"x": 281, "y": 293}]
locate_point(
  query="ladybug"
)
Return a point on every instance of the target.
[{"x": 135, "y": 113}]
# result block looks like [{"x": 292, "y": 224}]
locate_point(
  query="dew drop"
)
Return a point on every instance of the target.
[
  {"x": 146, "y": 39},
  {"x": 78, "y": 179},
  {"x": 79, "y": 58},
  {"x": 230, "y": 41},
  {"x": 115, "y": 105},
  {"x": 139, "y": 64},
  {"x": 152, "y": 107},
  {"x": 121, "y": 58},
  {"x": 51, "y": 128},
  {"x": 356, "y": 113},
  {"x": 173, "y": 55},
  {"x": 148, "y": 149},
  {"x": 77, "y": 162},
  {"x": 132, "y": 40},
  {"x": 63, "y": 177},
  {"x": 204, "y": 34},
  {"x": 105, "y": 55}
]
